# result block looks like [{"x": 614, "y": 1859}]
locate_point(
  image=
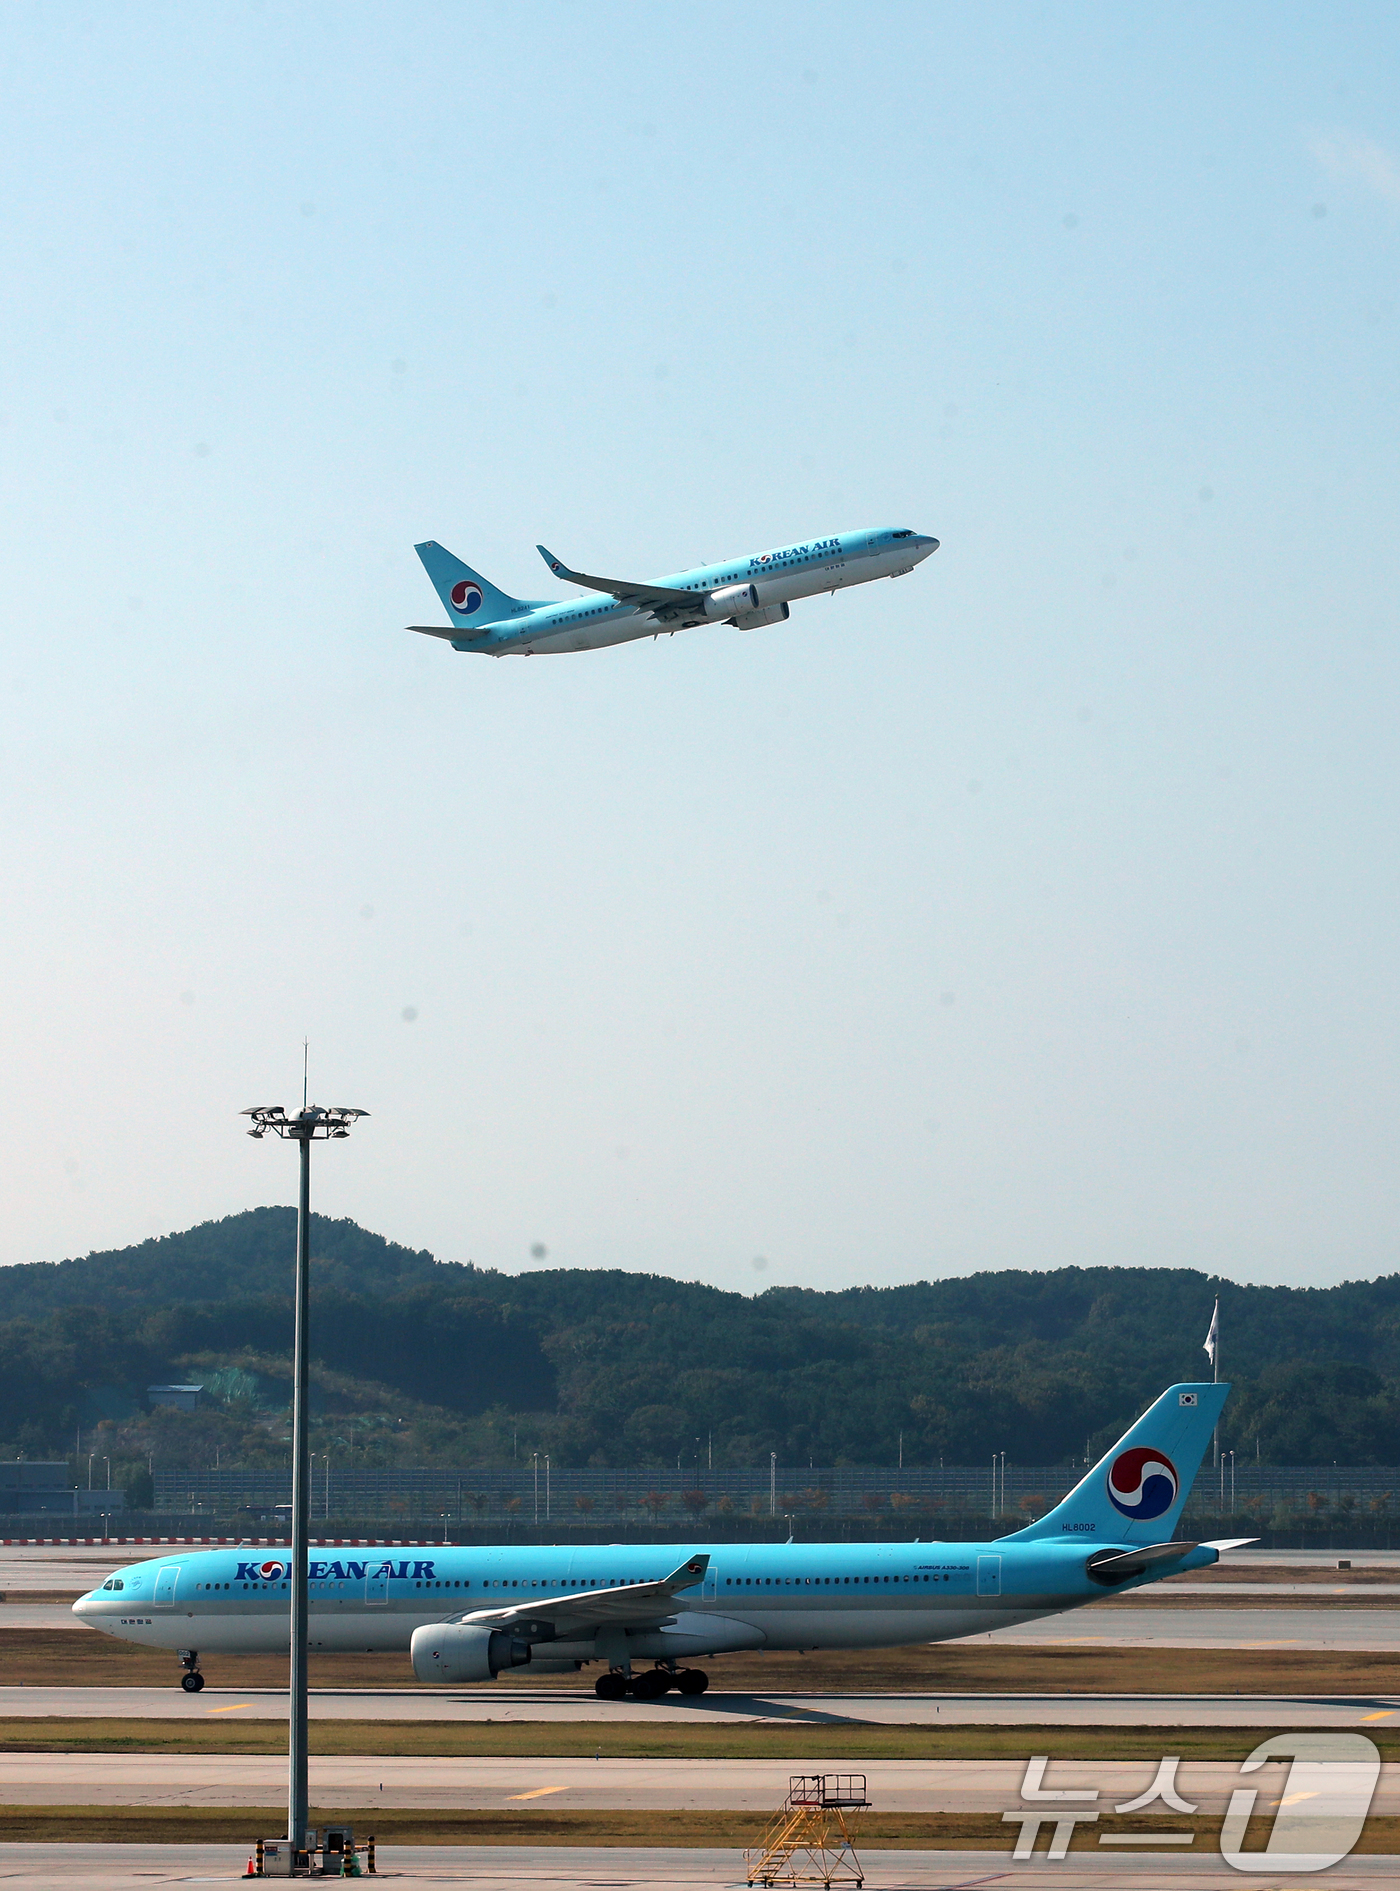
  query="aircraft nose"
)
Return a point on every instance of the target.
[
  {"x": 83, "y": 1605},
  {"x": 926, "y": 545}
]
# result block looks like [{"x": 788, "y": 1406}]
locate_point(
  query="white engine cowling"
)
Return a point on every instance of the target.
[
  {"x": 770, "y": 614},
  {"x": 458, "y": 1651},
  {"x": 730, "y": 601}
]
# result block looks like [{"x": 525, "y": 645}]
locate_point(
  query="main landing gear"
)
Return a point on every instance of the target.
[
  {"x": 191, "y": 1680},
  {"x": 650, "y": 1684}
]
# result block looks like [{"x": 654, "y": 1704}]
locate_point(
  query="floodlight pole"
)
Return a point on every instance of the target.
[
  {"x": 298, "y": 1733},
  {"x": 311, "y": 1124}
]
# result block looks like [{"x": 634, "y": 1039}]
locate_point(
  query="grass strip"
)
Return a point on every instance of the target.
[
  {"x": 84, "y": 1658},
  {"x": 875, "y": 1831},
  {"x": 645, "y": 1740}
]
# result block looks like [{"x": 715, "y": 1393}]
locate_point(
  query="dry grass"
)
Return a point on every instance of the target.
[
  {"x": 66, "y": 1657},
  {"x": 656, "y": 1740},
  {"x": 876, "y": 1831}
]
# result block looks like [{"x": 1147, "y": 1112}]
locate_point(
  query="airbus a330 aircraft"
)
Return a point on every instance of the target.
[
  {"x": 749, "y": 592},
  {"x": 465, "y": 1614}
]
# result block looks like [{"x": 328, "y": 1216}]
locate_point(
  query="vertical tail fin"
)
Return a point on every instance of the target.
[
  {"x": 470, "y": 599},
  {"x": 1136, "y": 1491}
]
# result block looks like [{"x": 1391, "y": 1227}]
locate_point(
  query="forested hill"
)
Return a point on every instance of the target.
[
  {"x": 242, "y": 1257},
  {"x": 611, "y": 1367}
]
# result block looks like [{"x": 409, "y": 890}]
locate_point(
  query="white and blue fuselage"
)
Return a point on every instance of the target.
[
  {"x": 780, "y": 1596},
  {"x": 466, "y": 1613},
  {"x": 750, "y": 592}
]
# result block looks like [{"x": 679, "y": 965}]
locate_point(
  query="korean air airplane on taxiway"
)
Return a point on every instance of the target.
[
  {"x": 749, "y": 592},
  {"x": 464, "y": 1614}
]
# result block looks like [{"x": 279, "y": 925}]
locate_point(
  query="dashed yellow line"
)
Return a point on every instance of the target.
[
  {"x": 228, "y": 1710},
  {"x": 539, "y": 1793}
]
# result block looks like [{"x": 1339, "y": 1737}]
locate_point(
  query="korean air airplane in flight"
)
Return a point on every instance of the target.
[
  {"x": 463, "y": 1614},
  {"x": 749, "y": 592}
]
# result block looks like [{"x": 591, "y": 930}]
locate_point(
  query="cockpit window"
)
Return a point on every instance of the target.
[{"x": 901, "y": 535}]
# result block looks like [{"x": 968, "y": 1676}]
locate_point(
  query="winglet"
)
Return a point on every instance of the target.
[
  {"x": 688, "y": 1574},
  {"x": 556, "y": 565}
]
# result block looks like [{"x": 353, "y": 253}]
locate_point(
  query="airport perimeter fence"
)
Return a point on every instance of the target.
[{"x": 1299, "y": 1506}]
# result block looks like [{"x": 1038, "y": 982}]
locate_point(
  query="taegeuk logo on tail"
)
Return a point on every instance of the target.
[{"x": 1142, "y": 1484}]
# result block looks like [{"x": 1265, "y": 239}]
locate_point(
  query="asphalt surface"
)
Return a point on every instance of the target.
[
  {"x": 759, "y": 1786},
  {"x": 1331, "y": 1626},
  {"x": 618, "y": 1868},
  {"x": 559, "y": 1705}
]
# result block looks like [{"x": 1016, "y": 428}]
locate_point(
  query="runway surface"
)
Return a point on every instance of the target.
[
  {"x": 565, "y": 1705},
  {"x": 587, "y": 1868},
  {"x": 1331, "y": 1626},
  {"x": 758, "y": 1786}
]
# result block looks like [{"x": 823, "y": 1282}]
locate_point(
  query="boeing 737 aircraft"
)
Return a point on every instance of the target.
[
  {"x": 464, "y": 1614},
  {"x": 749, "y": 592}
]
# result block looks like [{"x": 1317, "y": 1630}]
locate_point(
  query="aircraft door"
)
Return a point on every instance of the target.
[
  {"x": 989, "y": 1575},
  {"x": 165, "y": 1586},
  {"x": 711, "y": 1588},
  {"x": 377, "y": 1587}
]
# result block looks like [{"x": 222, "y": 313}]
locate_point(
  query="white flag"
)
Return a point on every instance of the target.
[{"x": 1212, "y": 1338}]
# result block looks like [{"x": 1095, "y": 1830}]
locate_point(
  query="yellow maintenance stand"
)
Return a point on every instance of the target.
[{"x": 809, "y": 1840}]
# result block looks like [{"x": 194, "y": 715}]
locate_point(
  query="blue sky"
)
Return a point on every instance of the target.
[{"x": 1035, "y": 909}]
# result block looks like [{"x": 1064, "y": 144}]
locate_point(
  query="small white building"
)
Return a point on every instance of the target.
[{"x": 180, "y": 1398}]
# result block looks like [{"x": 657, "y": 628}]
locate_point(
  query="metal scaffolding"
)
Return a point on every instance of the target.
[{"x": 809, "y": 1839}]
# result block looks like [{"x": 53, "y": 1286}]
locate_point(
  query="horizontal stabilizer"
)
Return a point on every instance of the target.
[
  {"x": 1111, "y": 1566},
  {"x": 435, "y": 630}
]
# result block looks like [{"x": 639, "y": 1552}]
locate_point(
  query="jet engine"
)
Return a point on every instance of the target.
[
  {"x": 458, "y": 1651},
  {"x": 732, "y": 599},
  {"x": 770, "y": 614}
]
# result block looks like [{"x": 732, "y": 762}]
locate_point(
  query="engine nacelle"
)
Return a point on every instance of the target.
[
  {"x": 459, "y": 1651},
  {"x": 770, "y": 614},
  {"x": 730, "y": 601}
]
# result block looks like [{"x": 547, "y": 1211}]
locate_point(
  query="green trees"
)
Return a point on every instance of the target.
[{"x": 428, "y": 1361}]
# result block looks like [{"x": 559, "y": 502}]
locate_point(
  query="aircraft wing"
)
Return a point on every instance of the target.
[
  {"x": 623, "y": 589},
  {"x": 631, "y": 1605}
]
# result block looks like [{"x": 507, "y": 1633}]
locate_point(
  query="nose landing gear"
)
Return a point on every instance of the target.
[{"x": 191, "y": 1680}]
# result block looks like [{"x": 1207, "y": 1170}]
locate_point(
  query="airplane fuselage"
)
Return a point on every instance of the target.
[
  {"x": 777, "y": 578},
  {"x": 778, "y": 1596}
]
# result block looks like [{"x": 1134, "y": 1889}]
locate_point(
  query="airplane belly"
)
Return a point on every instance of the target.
[{"x": 576, "y": 637}]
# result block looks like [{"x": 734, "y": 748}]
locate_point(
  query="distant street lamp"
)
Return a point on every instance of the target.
[{"x": 311, "y": 1124}]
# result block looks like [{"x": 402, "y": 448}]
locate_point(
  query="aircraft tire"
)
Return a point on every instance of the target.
[
  {"x": 192, "y": 1682},
  {"x": 651, "y": 1684},
  {"x": 610, "y": 1687},
  {"x": 692, "y": 1680}
]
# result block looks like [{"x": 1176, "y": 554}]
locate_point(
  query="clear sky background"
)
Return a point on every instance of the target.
[{"x": 1037, "y": 908}]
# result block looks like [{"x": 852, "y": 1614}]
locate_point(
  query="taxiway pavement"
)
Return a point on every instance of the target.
[
  {"x": 588, "y": 1868},
  {"x": 1331, "y": 1626},
  {"x": 461, "y": 1783}
]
